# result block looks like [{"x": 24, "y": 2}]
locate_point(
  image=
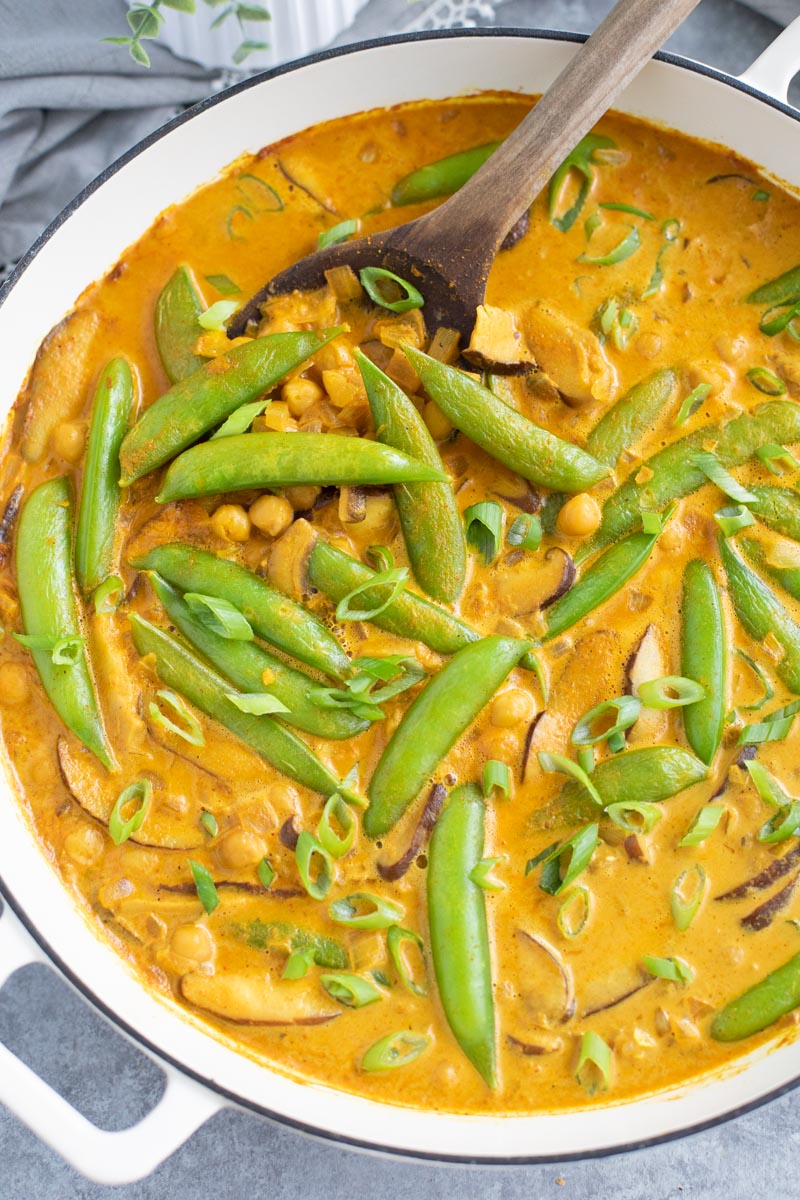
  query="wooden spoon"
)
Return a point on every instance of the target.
[{"x": 448, "y": 253}]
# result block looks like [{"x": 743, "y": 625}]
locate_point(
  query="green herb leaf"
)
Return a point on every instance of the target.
[{"x": 206, "y": 891}]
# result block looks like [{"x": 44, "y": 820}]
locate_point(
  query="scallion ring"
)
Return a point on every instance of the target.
[
  {"x": 372, "y": 277},
  {"x": 687, "y": 896},
  {"x": 626, "y": 708},
  {"x": 760, "y": 674},
  {"x": 525, "y": 532},
  {"x": 553, "y": 764},
  {"x": 337, "y": 811},
  {"x": 215, "y": 317},
  {"x": 353, "y": 991},
  {"x": 394, "y": 581},
  {"x": 308, "y": 849},
  {"x": 394, "y": 1050},
  {"x": 703, "y": 825},
  {"x": 580, "y": 848},
  {"x": 776, "y": 457},
  {"x": 586, "y": 760},
  {"x": 732, "y": 518},
  {"x": 612, "y": 206},
  {"x": 189, "y": 729},
  {"x": 120, "y": 828},
  {"x": 483, "y": 523},
  {"x": 593, "y": 1070},
  {"x": 767, "y": 786},
  {"x": 362, "y": 910},
  {"x": 673, "y": 969},
  {"x": 298, "y": 964},
  {"x": 108, "y": 595},
  {"x": 481, "y": 874},
  {"x": 624, "y": 249},
  {"x": 241, "y": 419},
  {"x": 206, "y": 891},
  {"x": 635, "y": 816},
  {"x": 337, "y": 233},
  {"x": 766, "y": 381},
  {"x": 573, "y": 912},
  {"x": 691, "y": 403},
  {"x": 397, "y": 939},
  {"x": 496, "y": 775},
  {"x": 670, "y": 691},
  {"x": 774, "y": 728},
  {"x": 784, "y": 824}
]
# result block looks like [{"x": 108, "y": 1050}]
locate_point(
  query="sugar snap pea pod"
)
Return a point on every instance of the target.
[
  {"x": 445, "y": 707},
  {"x": 761, "y": 1005},
  {"x": 787, "y": 577},
  {"x": 675, "y": 475},
  {"x": 761, "y": 613},
  {"x": 704, "y": 657},
  {"x": 50, "y": 611},
  {"x": 176, "y": 327},
  {"x": 600, "y": 581},
  {"x": 502, "y": 432},
  {"x": 441, "y": 178},
  {"x": 97, "y": 513},
  {"x": 458, "y": 929},
  {"x": 631, "y": 417},
  {"x": 245, "y": 664},
  {"x": 778, "y": 508},
  {"x": 432, "y": 527},
  {"x": 256, "y": 460},
  {"x": 180, "y": 669},
  {"x": 274, "y": 617},
  {"x": 409, "y": 616},
  {"x": 206, "y": 397},
  {"x": 651, "y": 774},
  {"x": 782, "y": 290}
]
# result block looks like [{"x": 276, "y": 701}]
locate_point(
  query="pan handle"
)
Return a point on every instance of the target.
[
  {"x": 774, "y": 70},
  {"x": 107, "y": 1158}
]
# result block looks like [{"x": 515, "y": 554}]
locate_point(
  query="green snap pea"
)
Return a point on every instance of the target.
[
  {"x": 648, "y": 776},
  {"x": 441, "y": 178},
  {"x": 409, "y": 616},
  {"x": 245, "y": 663},
  {"x": 631, "y": 417},
  {"x": 778, "y": 508},
  {"x": 274, "y": 617},
  {"x": 674, "y": 473},
  {"x": 432, "y": 527},
  {"x": 181, "y": 670},
  {"x": 704, "y": 658},
  {"x": 50, "y": 611},
  {"x": 782, "y": 290},
  {"x": 761, "y": 1005},
  {"x": 458, "y": 929},
  {"x": 205, "y": 398},
  {"x": 258, "y": 460},
  {"x": 445, "y": 707},
  {"x": 502, "y": 432},
  {"x": 176, "y": 328},
  {"x": 99, "y": 505},
  {"x": 600, "y": 581},
  {"x": 787, "y": 577},
  {"x": 761, "y": 613}
]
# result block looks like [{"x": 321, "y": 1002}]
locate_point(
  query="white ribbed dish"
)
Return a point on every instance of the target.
[{"x": 297, "y": 27}]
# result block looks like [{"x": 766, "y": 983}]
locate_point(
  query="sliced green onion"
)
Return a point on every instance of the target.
[
  {"x": 671, "y": 228},
  {"x": 190, "y": 729},
  {"x": 580, "y": 848},
  {"x": 394, "y": 1050},
  {"x": 785, "y": 824},
  {"x": 230, "y": 221},
  {"x": 772, "y": 326},
  {"x": 766, "y": 381},
  {"x": 266, "y": 874},
  {"x": 371, "y": 277},
  {"x": 337, "y": 233},
  {"x": 380, "y": 557},
  {"x": 353, "y": 991},
  {"x": 692, "y": 402},
  {"x": 769, "y": 690},
  {"x": 766, "y": 731},
  {"x": 772, "y": 456},
  {"x": 223, "y": 284},
  {"x": 627, "y": 709},
  {"x": 530, "y": 662},
  {"x": 767, "y": 786},
  {"x": 262, "y": 196},
  {"x": 540, "y": 857},
  {"x": 686, "y": 896},
  {"x": 593, "y": 1071},
  {"x": 624, "y": 328},
  {"x": 526, "y": 532},
  {"x": 481, "y": 874},
  {"x": 214, "y": 318},
  {"x": 396, "y": 939},
  {"x": 206, "y": 892},
  {"x": 109, "y": 595},
  {"x": 221, "y": 616},
  {"x": 64, "y": 651},
  {"x": 627, "y": 208},
  {"x": 336, "y": 810},
  {"x": 586, "y": 759},
  {"x": 673, "y": 969},
  {"x": 257, "y": 704},
  {"x": 496, "y": 775},
  {"x": 559, "y": 764},
  {"x": 362, "y": 910},
  {"x": 591, "y": 224},
  {"x": 732, "y": 518},
  {"x": 121, "y": 829},
  {"x": 397, "y": 672},
  {"x": 635, "y": 816},
  {"x": 395, "y": 580},
  {"x": 703, "y": 825},
  {"x": 624, "y": 249},
  {"x": 760, "y": 196},
  {"x": 308, "y": 849},
  {"x": 713, "y": 469},
  {"x": 573, "y": 912},
  {"x": 241, "y": 420},
  {"x": 297, "y": 964},
  {"x": 484, "y": 528},
  {"x": 670, "y": 691},
  {"x": 210, "y": 824},
  {"x": 580, "y": 161}
]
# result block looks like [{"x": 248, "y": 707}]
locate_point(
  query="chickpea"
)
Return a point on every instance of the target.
[
  {"x": 84, "y": 845},
  {"x": 512, "y": 707},
  {"x": 302, "y": 497},
  {"x": 241, "y": 849},
  {"x": 579, "y": 517},
  {"x": 380, "y": 516},
  {"x": 14, "y": 683},
  {"x": 231, "y": 522},
  {"x": 300, "y": 394},
  {"x": 272, "y": 514},
  {"x": 68, "y": 440},
  {"x": 732, "y": 349},
  {"x": 648, "y": 345},
  {"x": 194, "y": 942},
  {"x": 437, "y": 422}
]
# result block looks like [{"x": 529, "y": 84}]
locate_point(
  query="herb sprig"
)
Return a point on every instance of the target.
[{"x": 145, "y": 21}]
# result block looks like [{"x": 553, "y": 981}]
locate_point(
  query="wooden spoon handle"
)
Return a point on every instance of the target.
[{"x": 486, "y": 207}]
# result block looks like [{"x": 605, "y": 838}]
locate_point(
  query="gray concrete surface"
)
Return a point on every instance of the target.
[{"x": 237, "y": 1155}]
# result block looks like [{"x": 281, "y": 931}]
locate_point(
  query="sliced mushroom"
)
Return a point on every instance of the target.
[
  {"x": 7, "y": 522},
  {"x": 288, "y": 561},
  {"x": 531, "y": 584},
  {"x": 546, "y": 983},
  {"x": 497, "y": 345},
  {"x": 523, "y": 497},
  {"x": 256, "y": 1000},
  {"x": 646, "y": 661},
  {"x": 429, "y": 817},
  {"x": 517, "y": 232},
  {"x": 569, "y": 354},
  {"x": 771, "y": 874},
  {"x": 352, "y": 505},
  {"x": 766, "y": 913}
]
